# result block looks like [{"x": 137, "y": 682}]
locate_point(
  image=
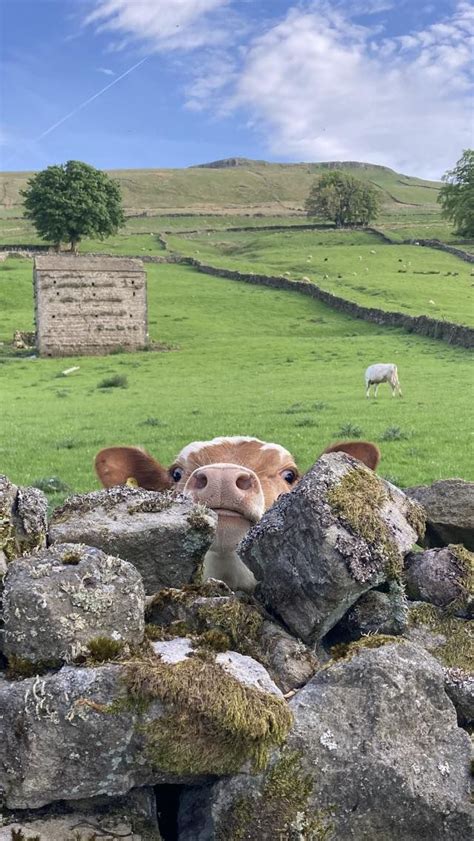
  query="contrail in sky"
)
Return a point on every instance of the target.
[{"x": 90, "y": 99}]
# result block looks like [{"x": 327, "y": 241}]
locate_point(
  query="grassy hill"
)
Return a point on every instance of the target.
[{"x": 240, "y": 186}]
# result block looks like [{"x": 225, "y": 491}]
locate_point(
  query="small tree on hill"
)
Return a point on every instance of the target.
[
  {"x": 72, "y": 201},
  {"x": 342, "y": 199},
  {"x": 457, "y": 195}
]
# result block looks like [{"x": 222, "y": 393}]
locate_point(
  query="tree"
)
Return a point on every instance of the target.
[
  {"x": 343, "y": 199},
  {"x": 457, "y": 195},
  {"x": 72, "y": 201}
]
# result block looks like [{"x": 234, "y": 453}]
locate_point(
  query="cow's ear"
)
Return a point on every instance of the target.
[
  {"x": 365, "y": 451},
  {"x": 119, "y": 465}
]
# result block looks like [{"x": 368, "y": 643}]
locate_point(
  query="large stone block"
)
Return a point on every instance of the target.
[
  {"x": 22, "y": 521},
  {"x": 58, "y": 600},
  {"x": 449, "y": 507},
  {"x": 341, "y": 532},
  {"x": 375, "y": 753},
  {"x": 164, "y": 535}
]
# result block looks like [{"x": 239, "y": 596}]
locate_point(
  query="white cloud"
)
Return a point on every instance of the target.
[
  {"x": 320, "y": 88},
  {"x": 317, "y": 85},
  {"x": 164, "y": 24},
  {"x": 106, "y": 70}
]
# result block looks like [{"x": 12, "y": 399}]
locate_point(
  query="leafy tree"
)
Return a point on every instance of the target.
[
  {"x": 457, "y": 195},
  {"x": 72, "y": 201},
  {"x": 343, "y": 199}
]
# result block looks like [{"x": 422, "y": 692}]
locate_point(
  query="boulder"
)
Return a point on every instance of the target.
[
  {"x": 375, "y": 612},
  {"x": 132, "y": 817},
  {"x": 340, "y": 533},
  {"x": 375, "y": 753},
  {"x": 443, "y": 577},
  {"x": 221, "y": 619},
  {"x": 449, "y": 507},
  {"x": 164, "y": 535},
  {"x": 57, "y": 602},
  {"x": 173, "y": 715},
  {"x": 22, "y": 521},
  {"x": 447, "y": 637},
  {"x": 459, "y": 687}
]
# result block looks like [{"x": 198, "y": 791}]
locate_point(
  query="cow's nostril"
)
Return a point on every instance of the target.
[
  {"x": 244, "y": 482},
  {"x": 200, "y": 481}
]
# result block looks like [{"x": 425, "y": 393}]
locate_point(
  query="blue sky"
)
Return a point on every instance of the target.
[{"x": 371, "y": 80}]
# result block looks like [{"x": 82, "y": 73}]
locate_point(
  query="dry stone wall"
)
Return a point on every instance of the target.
[{"x": 89, "y": 305}]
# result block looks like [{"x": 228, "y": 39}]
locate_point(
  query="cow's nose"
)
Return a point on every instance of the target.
[
  {"x": 223, "y": 478},
  {"x": 226, "y": 486}
]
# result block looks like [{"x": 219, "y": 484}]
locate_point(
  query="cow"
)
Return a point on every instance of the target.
[
  {"x": 382, "y": 372},
  {"x": 237, "y": 477}
]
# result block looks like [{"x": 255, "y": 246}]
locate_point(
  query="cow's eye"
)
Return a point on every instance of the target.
[
  {"x": 176, "y": 473},
  {"x": 289, "y": 476}
]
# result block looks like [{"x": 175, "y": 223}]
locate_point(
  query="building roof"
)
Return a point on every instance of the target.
[{"x": 72, "y": 262}]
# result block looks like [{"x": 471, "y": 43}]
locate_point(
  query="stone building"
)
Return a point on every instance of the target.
[{"x": 89, "y": 305}]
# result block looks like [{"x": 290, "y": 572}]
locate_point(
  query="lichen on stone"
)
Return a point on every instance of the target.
[
  {"x": 281, "y": 809},
  {"x": 358, "y": 500},
  {"x": 213, "y": 723},
  {"x": 198, "y": 518}
]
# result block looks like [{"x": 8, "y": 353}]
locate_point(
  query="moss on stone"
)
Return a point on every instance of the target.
[
  {"x": 416, "y": 517},
  {"x": 19, "y": 667},
  {"x": 214, "y": 640},
  {"x": 465, "y": 562},
  {"x": 455, "y": 647},
  {"x": 280, "y": 810},
  {"x": 187, "y": 594},
  {"x": 213, "y": 724},
  {"x": 347, "y": 650},
  {"x": 241, "y": 623},
  {"x": 178, "y": 628},
  {"x": 71, "y": 558},
  {"x": 358, "y": 499},
  {"x": 102, "y": 649}
]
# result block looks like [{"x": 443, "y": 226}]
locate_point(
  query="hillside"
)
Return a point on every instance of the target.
[{"x": 239, "y": 185}]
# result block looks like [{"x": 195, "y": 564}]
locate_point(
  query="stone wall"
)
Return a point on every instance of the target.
[
  {"x": 447, "y": 331},
  {"x": 89, "y": 305}
]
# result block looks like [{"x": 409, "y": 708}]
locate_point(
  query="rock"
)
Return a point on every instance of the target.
[
  {"x": 374, "y": 613},
  {"x": 224, "y": 621},
  {"x": 290, "y": 662},
  {"x": 22, "y": 521},
  {"x": 443, "y": 577},
  {"x": 375, "y": 753},
  {"x": 449, "y": 507},
  {"x": 156, "y": 718},
  {"x": 447, "y": 637},
  {"x": 340, "y": 533},
  {"x": 459, "y": 687},
  {"x": 132, "y": 816},
  {"x": 60, "y": 599},
  {"x": 164, "y": 535}
]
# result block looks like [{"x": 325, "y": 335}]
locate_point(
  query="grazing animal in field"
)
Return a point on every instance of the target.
[
  {"x": 237, "y": 477},
  {"x": 382, "y": 372}
]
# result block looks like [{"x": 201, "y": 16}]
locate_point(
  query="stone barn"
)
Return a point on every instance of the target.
[{"x": 89, "y": 305}]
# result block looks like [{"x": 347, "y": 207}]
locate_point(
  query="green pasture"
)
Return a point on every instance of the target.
[
  {"x": 250, "y": 361},
  {"x": 357, "y": 265}
]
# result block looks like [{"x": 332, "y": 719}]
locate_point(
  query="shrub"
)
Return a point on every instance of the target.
[{"x": 116, "y": 381}]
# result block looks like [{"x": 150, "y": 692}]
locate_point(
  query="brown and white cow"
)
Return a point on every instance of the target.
[{"x": 238, "y": 477}]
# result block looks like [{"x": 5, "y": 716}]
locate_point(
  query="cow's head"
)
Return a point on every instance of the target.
[{"x": 239, "y": 478}]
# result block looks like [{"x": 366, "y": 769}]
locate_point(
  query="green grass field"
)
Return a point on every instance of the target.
[
  {"x": 356, "y": 265},
  {"x": 250, "y": 361}
]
